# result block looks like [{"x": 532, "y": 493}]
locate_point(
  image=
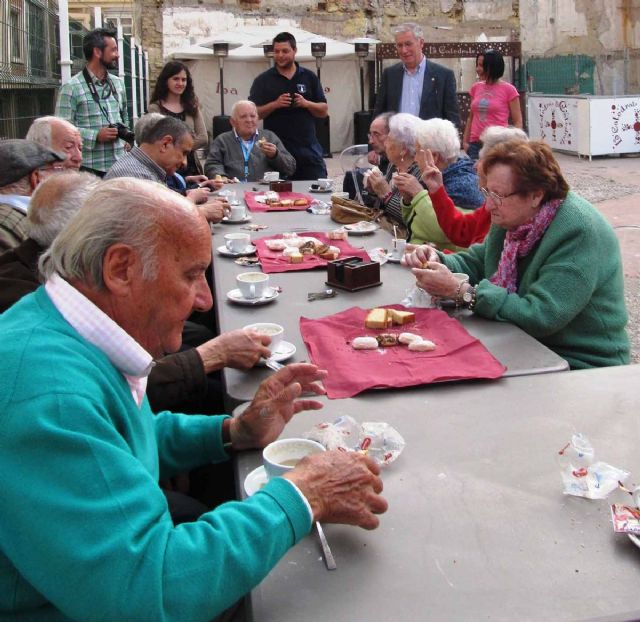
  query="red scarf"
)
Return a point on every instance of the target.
[{"x": 519, "y": 242}]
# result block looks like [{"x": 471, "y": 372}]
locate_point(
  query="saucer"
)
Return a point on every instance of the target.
[
  {"x": 227, "y": 221},
  {"x": 378, "y": 254},
  {"x": 634, "y": 539},
  {"x": 394, "y": 258},
  {"x": 255, "y": 481},
  {"x": 236, "y": 296},
  {"x": 319, "y": 190},
  {"x": 284, "y": 351},
  {"x": 361, "y": 228},
  {"x": 224, "y": 251}
]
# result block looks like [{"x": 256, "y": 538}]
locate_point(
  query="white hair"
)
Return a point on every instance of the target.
[
  {"x": 135, "y": 212},
  {"x": 55, "y": 201},
  {"x": 441, "y": 136},
  {"x": 242, "y": 102},
  {"x": 402, "y": 129},
  {"x": 495, "y": 134},
  {"x": 411, "y": 27},
  {"x": 41, "y": 129},
  {"x": 145, "y": 123},
  {"x": 22, "y": 187}
]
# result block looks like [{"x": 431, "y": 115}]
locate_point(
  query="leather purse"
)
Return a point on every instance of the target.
[{"x": 346, "y": 212}]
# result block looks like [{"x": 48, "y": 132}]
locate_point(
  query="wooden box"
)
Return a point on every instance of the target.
[{"x": 353, "y": 274}]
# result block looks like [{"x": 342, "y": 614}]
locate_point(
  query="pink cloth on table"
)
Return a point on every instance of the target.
[
  {"x": 274, "y": 261},
  {"x": 458, "y": 355},
  {"x": 256, "y": 206}
]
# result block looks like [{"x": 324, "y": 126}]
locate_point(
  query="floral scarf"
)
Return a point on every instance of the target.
[{"x": 519, "y": 242}]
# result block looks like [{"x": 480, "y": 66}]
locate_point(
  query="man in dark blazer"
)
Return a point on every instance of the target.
[{"x": 416, "y": 85}]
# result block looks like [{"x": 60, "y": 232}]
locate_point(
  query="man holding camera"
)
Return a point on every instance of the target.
[
  {"x": 95, "y": 102},
  {"x": 289, "y": 98}
]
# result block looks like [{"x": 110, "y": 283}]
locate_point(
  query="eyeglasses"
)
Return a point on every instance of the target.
[
  {"x": 494, "y": 197},
  {"x": 54, "y": 168},
  {"x": 375, "y": 134}
]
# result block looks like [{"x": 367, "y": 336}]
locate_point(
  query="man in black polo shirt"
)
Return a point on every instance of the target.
[{"x": 288, "y": 98}]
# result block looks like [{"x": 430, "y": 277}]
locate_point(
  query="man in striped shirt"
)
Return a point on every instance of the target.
[{"x": 95, "y": 101}]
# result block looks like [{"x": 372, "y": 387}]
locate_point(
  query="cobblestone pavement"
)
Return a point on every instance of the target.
[{"x": 612, "y": 184}]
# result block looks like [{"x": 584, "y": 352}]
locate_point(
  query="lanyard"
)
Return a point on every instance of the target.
[
  {"x": 246, "y": 153},
  {"x": 96, "y": 97}
]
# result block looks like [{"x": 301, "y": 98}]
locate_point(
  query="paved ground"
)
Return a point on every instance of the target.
[{"x": 612, "y": 184}]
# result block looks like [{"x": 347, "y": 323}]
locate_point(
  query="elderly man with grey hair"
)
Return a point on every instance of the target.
[
  {"x": 61, "y": 136},
  {"x": 245, "y": 151},
  {"x": 24, "y": 165},
  {"x": 84, "y": 451},
  {"x": 416, "y": 85}
]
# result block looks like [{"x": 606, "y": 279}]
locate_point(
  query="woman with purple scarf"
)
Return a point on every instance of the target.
[{"x": 550, "y": 263}]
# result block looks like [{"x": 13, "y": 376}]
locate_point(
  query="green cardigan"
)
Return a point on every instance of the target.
[
  {"x": 85, "y": 533},
  {"x": 570, "y": 287},
  {"x": 422, "y": 223}
]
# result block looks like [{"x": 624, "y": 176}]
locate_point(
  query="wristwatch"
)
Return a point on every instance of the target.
[{"x": 469, "y": 297}]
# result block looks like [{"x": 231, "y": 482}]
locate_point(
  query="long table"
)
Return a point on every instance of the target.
[
  {"x": 477, "y": 526},
  {"x": 514, "y": 348}
]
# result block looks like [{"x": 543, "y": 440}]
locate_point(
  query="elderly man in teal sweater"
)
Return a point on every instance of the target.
[{"x": 85, "y": 532}]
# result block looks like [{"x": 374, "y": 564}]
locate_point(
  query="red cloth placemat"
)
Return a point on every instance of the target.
[
  {"x": 255, "y": 206},
  {"x": 273, "y": 261},
  {"x": 457, "y": 356}
]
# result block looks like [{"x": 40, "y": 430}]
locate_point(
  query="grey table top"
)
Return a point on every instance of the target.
[
  {"x": 519, "y": 352},
  {"x": 477, "y": 526}
]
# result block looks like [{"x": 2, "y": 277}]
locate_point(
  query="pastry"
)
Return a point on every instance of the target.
[
  {"x": 301, "y": 202},
  {"x": 365, "y": 343},
  {"x": 338, "y": 234},
  {"x": 401, "y": 317},
  {"x": 377, "y": 318},
  {"x": 408, "y": 338},
  {"x": 387, "y": 339},
  {"x": 296, "y": 257},
  {"x": 422, "y": 345}
]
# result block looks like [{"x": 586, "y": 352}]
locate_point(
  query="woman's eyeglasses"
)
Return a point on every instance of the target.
[{"x": 494, "y": 197}]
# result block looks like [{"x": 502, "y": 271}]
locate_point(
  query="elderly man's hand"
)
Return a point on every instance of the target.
[
  {"x": 431, "y": 174},
  {"x": 214, "y": 210},
  {"x": 198, "y": 195},
  {"x": 274, "y": 404},
  {"x": 341, "y": 488},
  {"x": 269, "y": 149},
  {"x": 407, "y": 185},
  {"x": 419, "y": 256},
  {"x": 373, "y": 157},
  {"x": 437, "y": 280},
  {"x": 378, "y": 184},
  {"x": 240, "y": 349}
]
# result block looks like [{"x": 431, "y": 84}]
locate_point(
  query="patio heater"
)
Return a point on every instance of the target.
[
  {"x": 319, "y": 51},
  {"x": 362, "y": 118},
  {"x": 267, "y": 50},
  {"x": 221, "y": 122}
]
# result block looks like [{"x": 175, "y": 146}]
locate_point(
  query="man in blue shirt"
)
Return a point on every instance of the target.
[{"x": 289, "y": 98}]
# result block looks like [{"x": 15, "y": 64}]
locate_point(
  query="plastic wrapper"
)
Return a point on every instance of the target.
[
  {"x": 581, "y": 476},
  {"x": 319, "y": 208},
  {"x": 377, "y": 439},
  {"x": 418, "y": 297}
]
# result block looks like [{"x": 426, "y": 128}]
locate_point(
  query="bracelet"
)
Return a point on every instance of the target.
[
  {"x": 387, "y": 197},
  {"x": 472, "y": 303},
  {"x": 458, "y": 297}
]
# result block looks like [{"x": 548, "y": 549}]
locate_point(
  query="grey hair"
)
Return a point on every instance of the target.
[
  {"x": 386, "y": 117},
  {"x": 411, "y": 27},
  {"x": 40, "y": 131},
  {"x": 155, "y": 129},
  {"x": 135, "y": 212},
  {"x": 242, "y": 102},
  {"x": 145, "y": 122},
  {"x": 22, "y": 187},
  {"x": 441, "y": 136},
  {"x": 498, "y": 134},
  {"x": 402, "y": 129},
  {"x": 55, "y": 201}
]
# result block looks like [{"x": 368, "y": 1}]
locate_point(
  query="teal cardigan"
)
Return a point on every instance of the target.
[
  {"x": 570, "y": 287},
  {"x": 85, "y": 533}
]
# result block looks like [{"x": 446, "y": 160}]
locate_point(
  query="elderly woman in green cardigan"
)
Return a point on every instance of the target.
[
  {"x": 459, "y": 178},
  {"x": 550, "y": 263}
]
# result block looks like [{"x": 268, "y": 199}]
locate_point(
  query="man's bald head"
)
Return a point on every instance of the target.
[{"x": 60, "y": 135}]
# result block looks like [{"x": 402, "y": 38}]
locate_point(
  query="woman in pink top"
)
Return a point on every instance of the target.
[{"x": 492, "y": 101}]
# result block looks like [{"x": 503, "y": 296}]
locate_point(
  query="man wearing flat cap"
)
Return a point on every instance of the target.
[{"x": 24, "y": 165}]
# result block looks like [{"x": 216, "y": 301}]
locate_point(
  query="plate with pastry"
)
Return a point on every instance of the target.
[{"x": 361, "y": 228}]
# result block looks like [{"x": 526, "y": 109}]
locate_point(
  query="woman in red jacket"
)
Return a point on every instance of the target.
[{"x": 462, "y": 229}]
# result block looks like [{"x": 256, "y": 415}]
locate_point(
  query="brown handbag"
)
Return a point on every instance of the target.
[{"x": 346, "y": 211}]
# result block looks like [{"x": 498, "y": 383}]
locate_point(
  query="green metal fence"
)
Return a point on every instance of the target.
[{"x": 560, "y": 75}]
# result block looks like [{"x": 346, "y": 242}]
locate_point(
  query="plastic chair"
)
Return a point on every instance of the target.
[{"x": 353, "y": 160}]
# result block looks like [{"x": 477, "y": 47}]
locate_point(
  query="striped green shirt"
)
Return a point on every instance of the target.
[{"x": 76, "y": 105}]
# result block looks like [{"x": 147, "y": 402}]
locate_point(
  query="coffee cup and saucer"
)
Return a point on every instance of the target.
[
  {"x": 281, "y": 350},
  {"x": 236, "y": 214},
  {"x": 236, "y": 245},
  {"x": 253, "y": 289},
  {"x": 278, "y": 458},
  {"x": 398, "y": 247},
  {"x": 270, "y": 176},
  {"x": 322, "y": 185}
]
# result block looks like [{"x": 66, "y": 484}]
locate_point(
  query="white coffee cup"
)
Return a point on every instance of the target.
[
  {"x": 271, "y": 176},
  {"x": 399, "y": 246},
  {"x": 461, "y": 277},
  {"x": 252, "y": 284},
  {"x": 237, "y": 212},
  {"x": 275, "y": 331},
  {"x": 325, "y": 184},
  {"x": 283, "y": 455},
  {"x": 237, "y": 242}
]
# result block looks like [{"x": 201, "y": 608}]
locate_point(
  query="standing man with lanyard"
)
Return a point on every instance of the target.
[
  {"x": 95, "y": 102},
  {"x": 246, "y": 152},
  {"x": 416, "y": 85},
  {"x": 289, "y": 98}
]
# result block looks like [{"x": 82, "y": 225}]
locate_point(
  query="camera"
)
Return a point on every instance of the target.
[{"x": 124, "y": 133}]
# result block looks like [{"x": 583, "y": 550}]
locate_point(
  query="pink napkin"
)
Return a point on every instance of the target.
[
  {"x": 256, "y": 206},
  {"x": 458, "y": 355},
  {"x": 273, "y": 261}
]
